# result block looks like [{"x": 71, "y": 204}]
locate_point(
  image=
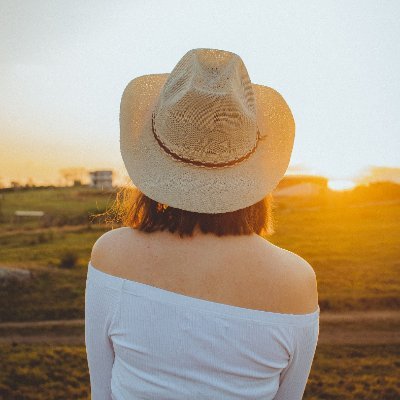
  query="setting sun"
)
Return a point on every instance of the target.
[{"x": 340, "y": 184}]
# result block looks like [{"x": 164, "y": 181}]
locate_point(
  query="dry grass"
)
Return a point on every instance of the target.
[{"x": 41, "y": 372}]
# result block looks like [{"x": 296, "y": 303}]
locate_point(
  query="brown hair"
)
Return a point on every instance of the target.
[{"x": 134, "y": 209}]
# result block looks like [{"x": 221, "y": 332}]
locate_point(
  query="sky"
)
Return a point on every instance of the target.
[{"x": 65, "y": 64}]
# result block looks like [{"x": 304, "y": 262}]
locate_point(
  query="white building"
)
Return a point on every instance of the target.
[{"x": 101, "y": 179}]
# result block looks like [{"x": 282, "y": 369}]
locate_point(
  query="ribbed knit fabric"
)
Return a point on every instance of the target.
[{"x": 144, "y": 342}]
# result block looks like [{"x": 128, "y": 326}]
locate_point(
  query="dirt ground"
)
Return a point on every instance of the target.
[{"x": 356, "y": 327}]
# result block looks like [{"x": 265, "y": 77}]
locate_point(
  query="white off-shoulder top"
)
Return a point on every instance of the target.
[{"x": 144, "y": 342}]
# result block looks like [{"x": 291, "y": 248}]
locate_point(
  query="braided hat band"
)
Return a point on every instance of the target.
[{"x": 200, "y": 163}]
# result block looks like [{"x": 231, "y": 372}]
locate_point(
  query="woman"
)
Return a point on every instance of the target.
[{"x": 188, "y": 300}]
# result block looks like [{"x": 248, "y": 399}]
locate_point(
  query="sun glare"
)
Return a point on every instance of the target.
[{"x": 340, "y": 184}]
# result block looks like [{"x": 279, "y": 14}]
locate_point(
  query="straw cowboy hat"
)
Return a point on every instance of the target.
[{"x": 203, "y": 138}]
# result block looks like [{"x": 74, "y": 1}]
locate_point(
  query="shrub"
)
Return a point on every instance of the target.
[{"x": 68, "y": 259}]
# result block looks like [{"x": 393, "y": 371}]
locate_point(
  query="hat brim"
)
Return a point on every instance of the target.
[{"x": 196, "y": 188}]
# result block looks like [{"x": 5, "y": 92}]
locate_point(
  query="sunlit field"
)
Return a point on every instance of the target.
[
  {"x": 349, "y": 237},
  {"x": 353, "y": 246}
]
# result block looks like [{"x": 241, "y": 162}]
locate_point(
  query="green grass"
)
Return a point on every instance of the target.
[
  {"x": 26, "y": 249},
  {"x": 36, "y": 372},
  {"x": 65, "y": 205},
  {"x": 60, "y": 201},
  {"x": 352, "y": 245},
  {"x": 52, "y": 292},
  {"x": 49, "y": 295},
  {"x": 43, "y": 372}
]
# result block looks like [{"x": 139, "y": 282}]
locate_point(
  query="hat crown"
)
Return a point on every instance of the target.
[{"x": 206, "y": 110}]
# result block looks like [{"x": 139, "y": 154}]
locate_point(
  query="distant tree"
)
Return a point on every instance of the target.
[
  {"x": 30, "y": 183},
  {"x": 71, "y": 175},
  {"x": 15, "y": 184}
]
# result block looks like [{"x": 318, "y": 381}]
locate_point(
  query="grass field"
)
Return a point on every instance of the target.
[
  {"x": 354, "y": 250},
  {"x": 350, "y": 239},
  {"x": 353, "y": 247},
  {"x": 346, "y": 373}
]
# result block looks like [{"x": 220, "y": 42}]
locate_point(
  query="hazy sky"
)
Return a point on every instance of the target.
[{"x": 64, "y": 65}]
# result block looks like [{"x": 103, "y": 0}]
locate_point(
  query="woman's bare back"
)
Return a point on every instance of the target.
[{"x": 243, "y": 271}]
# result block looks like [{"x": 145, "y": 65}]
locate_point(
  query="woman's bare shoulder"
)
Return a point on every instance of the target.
[
  {"x": 112, "y": 236},
  {"x": 109, "y": 246},
  {"x": 282, "y": 278},
  {"x": 287, "y": 258},
  {"x": 295, "y": 277}
]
